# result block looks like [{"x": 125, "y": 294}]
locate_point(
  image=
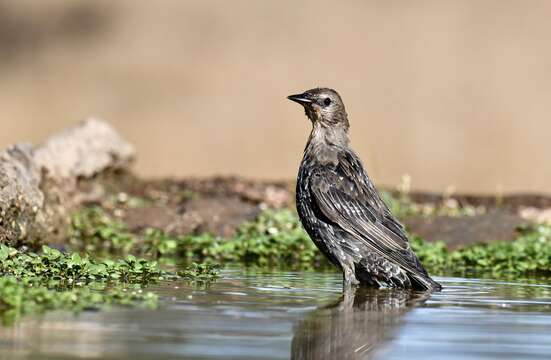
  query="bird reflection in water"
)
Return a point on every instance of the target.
[{"x": 354, "y": 326}]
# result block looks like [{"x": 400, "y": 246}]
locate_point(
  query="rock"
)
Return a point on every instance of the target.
[
  {"x": 512, "y": 202},
  {"x": 219, "y": 216},
  {"x": 498, "y": 224},
  {"x": 539, "y": 216},
  {"x": 20, "y": 196},
  {"x": 272, "y": 194},
  {"x": 83, "y": 151},
  {"x": 38, "y": 184}
]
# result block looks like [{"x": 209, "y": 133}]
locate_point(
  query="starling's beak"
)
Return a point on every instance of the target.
[{"x": 302, "y": 99}]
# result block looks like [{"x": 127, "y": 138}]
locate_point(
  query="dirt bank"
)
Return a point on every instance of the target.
[
  {"x": 219, "y": 204},
  {"x": 89, "y": 165}
]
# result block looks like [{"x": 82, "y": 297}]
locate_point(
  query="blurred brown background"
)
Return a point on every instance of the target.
[{"x": 450, "y": 92}]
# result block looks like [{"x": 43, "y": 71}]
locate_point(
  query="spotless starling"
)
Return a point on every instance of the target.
[{"x": 342, "y": 211}]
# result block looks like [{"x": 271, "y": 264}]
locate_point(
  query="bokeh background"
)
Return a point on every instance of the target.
[{"x": 454, "y": 93}]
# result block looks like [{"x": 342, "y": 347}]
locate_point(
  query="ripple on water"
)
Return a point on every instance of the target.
[{"x": 303, "y": 315}]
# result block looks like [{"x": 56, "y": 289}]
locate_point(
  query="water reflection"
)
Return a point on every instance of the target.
[
  {"x": 354, "y": 326},
  {"x": 253, "y": 315}
]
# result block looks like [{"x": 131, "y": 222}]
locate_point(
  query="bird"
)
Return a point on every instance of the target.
[{"x": 342, "y": 211}]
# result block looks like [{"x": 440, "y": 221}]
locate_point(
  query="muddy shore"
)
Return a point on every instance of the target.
[
  {"x": 219, "y": 205},
  {"x": 90, "y": 165}
]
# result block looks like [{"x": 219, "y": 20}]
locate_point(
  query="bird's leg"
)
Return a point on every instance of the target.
[
  {"x": 348, "y": 276},
  {"x": 348, "y": 297}
]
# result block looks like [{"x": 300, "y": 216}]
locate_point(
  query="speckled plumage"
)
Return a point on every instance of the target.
[{"x": 342, "y": 211}]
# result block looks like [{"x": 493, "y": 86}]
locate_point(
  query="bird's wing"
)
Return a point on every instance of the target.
[{"x": 346, "y": 197}]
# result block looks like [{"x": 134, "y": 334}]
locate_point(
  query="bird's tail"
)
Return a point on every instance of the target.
[{"x": 424, "y": 283}]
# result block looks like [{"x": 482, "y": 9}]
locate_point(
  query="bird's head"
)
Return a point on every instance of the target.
[{"x": 323, "y": 106}]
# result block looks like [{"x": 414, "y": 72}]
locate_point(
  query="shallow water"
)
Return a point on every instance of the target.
[{"x": 248, "y": 315}]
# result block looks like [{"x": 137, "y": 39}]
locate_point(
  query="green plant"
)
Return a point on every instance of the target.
[
  {"x": 201, "y": 272},
  {"x": 275, "y": 238},
  {"x": 92, "y": 230},
  {"x": 52, "y": 264},
  {"x": 20, "y": 297},
  {"x": 37, "y": 282},
  {"x": 157, "y": 243},
  {"x": 529, "y": 253}
]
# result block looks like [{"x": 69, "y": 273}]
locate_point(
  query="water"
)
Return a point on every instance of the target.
[{"x": 301, "y": 316}]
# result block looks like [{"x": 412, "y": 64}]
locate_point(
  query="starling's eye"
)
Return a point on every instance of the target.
[{"x": 327, "y": 101}]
